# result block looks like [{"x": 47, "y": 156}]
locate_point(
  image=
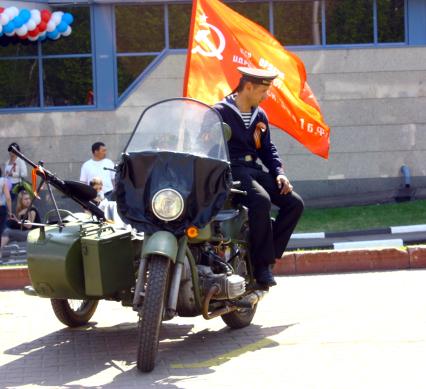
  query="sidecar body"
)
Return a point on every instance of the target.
[{"x": 82, "y": 260}]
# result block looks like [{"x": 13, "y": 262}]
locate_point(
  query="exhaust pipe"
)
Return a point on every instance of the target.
[
  {"x": 218, "y": 312},
  {"x": 248, "y": 301}
]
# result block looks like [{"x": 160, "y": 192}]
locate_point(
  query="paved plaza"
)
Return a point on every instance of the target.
[{"x": 364, "y": 331}]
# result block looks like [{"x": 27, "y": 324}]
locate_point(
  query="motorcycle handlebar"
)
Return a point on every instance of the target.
[{"x": 58, "y": 183}]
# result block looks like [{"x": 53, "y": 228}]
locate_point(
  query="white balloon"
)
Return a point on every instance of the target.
[
  {"x": 36, "y": 16},
  {"x": 33, "y": 38},
  {"x": 21, "y": 31},
  {"x": 9, "y": 12},
  {"x": 67, "y": 32},
  {"x": 12, "y": 12},
  {"x": 50, "y": 26},
  {"x": 10, "y": 33},
  {"x": 31, "y": 24},
  {"x": 1, "y": 28},
  {"x": 4, "y": 18},
  {"x": 57, "y": 17}
]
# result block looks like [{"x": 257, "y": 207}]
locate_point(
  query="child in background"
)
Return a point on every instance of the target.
[{"x": 97, "y": 184}]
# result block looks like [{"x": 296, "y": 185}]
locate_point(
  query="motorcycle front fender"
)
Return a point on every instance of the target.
[{"x": 161, "y": 243}]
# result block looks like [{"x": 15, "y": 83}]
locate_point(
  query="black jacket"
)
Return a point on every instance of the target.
[{"x": 242, "y": 141}]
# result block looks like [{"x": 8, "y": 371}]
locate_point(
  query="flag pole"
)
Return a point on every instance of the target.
[{"x": 189, "y": 51}]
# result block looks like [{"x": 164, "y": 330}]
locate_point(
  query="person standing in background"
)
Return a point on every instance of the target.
[
  {"x": 95, "y": 167},
  {"x": 15, "y": 169},
  {"x": 5, "y": 203}
]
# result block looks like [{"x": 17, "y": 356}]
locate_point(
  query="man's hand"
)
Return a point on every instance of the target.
[{"x": 284, "y": 184}]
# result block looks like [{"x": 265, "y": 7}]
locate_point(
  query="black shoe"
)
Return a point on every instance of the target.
[{"x": 263, "y": 275}]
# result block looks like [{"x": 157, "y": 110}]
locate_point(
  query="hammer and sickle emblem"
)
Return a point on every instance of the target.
[{"x": 202, "y": 37}]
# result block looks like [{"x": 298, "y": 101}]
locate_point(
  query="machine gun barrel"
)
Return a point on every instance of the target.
[{"x": 59, "y": 184}]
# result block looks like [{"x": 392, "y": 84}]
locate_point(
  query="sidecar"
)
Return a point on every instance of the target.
[{"x": 82, "y": 260}]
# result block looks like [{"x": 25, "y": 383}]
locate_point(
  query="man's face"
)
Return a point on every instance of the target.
[
  {"x": 258, "y": 93},
  {"x": 100, "y": 153}
]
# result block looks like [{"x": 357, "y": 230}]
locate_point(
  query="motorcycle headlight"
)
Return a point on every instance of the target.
[{"x": 167, "y": 204}]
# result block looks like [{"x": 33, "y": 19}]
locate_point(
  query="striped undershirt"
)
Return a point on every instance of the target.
[{"x": 246, "y": 118}]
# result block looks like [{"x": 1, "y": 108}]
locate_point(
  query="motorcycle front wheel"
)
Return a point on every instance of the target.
[
  {"x": 74, "y": 313},
  {"x": 152, "y": 312}
]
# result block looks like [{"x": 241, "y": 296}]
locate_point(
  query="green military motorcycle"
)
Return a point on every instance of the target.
[{"x": 178, "y": 244}]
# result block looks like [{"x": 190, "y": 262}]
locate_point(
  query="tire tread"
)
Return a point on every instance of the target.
[{"x": 152, "y": 309}]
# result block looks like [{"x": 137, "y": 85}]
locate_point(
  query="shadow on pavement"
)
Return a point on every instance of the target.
[{"x": 71, "y": 355}]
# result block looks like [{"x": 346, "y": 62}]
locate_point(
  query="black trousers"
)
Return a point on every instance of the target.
[{"x": 268, "y": 239}]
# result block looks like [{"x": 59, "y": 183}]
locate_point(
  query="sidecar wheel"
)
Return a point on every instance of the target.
[
  {"x": 74, "y": 313},
  {"x": 152, "y": 312},
  {"x": 239, "y": 319}
]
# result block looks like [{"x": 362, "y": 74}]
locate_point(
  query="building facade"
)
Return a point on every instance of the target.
[{"x": 365, "y": 59}]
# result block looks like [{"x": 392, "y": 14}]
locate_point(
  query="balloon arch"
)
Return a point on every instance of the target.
[{"x": 34, "y": 24}]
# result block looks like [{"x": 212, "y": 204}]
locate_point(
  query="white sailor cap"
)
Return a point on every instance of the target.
[{"x": 257, "y": 76}]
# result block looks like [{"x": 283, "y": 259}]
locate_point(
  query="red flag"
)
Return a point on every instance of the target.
[{"x": 221, "y": 40}]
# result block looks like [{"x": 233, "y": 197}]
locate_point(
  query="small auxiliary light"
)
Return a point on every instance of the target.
[{"x": 192, "y": 232}]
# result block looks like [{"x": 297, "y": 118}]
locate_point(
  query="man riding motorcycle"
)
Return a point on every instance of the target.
[{"x": 250, "y": 141}]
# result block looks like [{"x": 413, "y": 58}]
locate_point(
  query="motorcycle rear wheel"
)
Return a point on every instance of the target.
[
  {"x": 239, "y": 319},
  {"x": 74, "y": 315},
  {"x": 152, "y": 312}
]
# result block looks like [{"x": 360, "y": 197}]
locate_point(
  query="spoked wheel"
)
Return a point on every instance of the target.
[
  {"x": 152, "y": 312},
  {"x": 239, "y": 319},
  {"x": 74, "y": 313}
]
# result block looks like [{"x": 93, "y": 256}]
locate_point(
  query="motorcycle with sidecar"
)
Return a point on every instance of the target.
[{"x": 177, "y": 243}]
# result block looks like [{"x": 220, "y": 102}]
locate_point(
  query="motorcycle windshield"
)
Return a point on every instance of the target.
[
  {"x": 178, "y": 145},
  {"x": 180, "y": 125}
]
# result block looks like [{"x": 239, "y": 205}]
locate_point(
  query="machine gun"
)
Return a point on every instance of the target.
[{"x": 81, "y": 193}]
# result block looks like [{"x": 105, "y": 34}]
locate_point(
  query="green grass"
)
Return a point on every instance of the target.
[
  {"x": 6, "y": 266},
  {"x": 363, "y": 217}
]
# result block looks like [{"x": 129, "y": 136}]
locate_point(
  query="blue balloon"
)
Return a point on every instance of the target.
[
  {"x": 9, "y": 27},
  {"x": 42, "y": 37},
  {"x": 18, "y": 22},
  {"x": 67, "y": 18},
  {"x": 62, "y": 27},
  {"x": 25, "y": 15},
  {"x": 53, "y": 34},
  {"x": 1, "y": 33}
]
